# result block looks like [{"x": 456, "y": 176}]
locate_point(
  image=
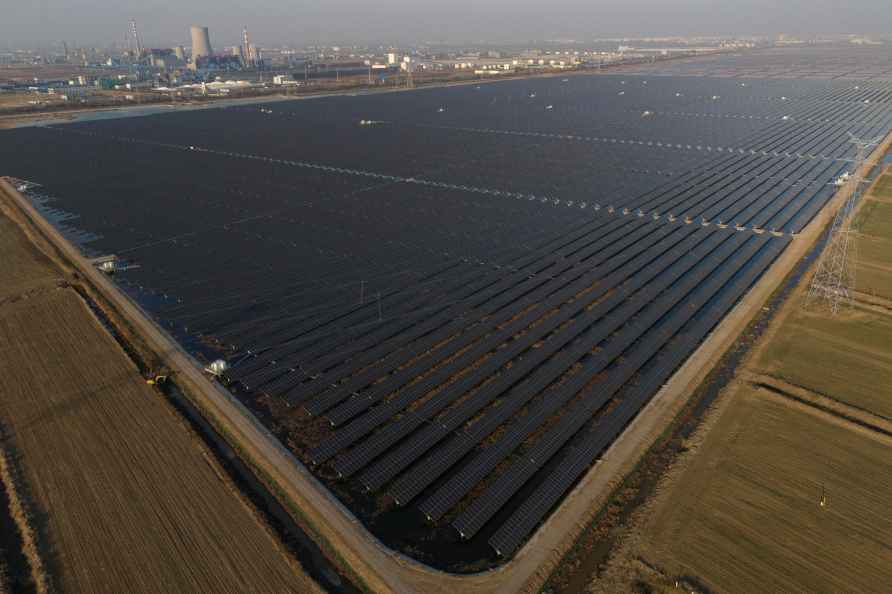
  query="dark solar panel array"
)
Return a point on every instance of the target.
[{"x": 475, "y": 333}]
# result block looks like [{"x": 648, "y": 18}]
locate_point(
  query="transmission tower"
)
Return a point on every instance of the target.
[
  {"x": 247, "y": 50},
  {"x": 137, "y": 42},
  {"x": 834, "y": 279}
]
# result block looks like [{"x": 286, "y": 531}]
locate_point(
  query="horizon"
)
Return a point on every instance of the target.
[{"x": 163, "y": 23}]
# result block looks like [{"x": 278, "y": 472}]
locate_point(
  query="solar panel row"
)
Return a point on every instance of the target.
[
  {"x": 635, "y": 324},
  {"x": 627, "y": 279},
  {"x": 534, "y": 508},
  {"x": 533, "y": 458},
  {"x": 622, "y": 283},
  {"x": 385, "y": 411},
  {"x": 488, "y": 308},
  {"x": 559, "y": 269},
  {"x": 641, "y": 235},
  {"x": 410, "y": 485}
]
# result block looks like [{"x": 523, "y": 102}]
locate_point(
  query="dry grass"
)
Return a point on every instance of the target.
[
  {"x": 847, "y": 358},
  {"x": 874, "y": 224},
  {"x": 746, "y": 515},
  {"x": 132, "y": 503},
  {"x": 883, "y": 187},
  {"x": 23, "y": 518},
  {"x": 22, "y": 267},
  {"x": 125, "y": 497}
]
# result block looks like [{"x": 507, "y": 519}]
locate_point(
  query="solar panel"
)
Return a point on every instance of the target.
[
  {"x": 533, "y": 509},
  {"x": 355, "y": 460},
  {"x": 459, "y": 484}
]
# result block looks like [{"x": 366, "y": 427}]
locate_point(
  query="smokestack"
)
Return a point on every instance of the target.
[{"x": 201, "y": 42}]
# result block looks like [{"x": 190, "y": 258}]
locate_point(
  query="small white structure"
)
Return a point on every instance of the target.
[
  {"x": 106, "y": 264},
  {"x": 217, "y": 368},
  {"x": 108, "y": 267}
]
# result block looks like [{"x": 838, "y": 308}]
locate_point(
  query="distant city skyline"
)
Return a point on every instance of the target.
[{"x": 164, "y": 23}]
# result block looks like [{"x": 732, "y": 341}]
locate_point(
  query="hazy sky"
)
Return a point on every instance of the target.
[{"x": 166, "y": 22}]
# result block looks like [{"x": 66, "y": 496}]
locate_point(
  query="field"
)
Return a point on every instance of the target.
[
  {"x": 846, "y": 358},
  {"x": 127, "y": 499},
  {"x": 874, "y": 224},
  {"x": 746, "y": 516},
  {"x": 449, "y": 302},
  {"x": 15, "y": 99},
  {"x": 24, "y": 267}
]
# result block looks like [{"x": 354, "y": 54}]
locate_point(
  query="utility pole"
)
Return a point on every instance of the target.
[{"x": 834, "y": 280}]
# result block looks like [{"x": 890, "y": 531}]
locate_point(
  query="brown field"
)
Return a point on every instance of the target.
[
  {"x": 14, "y": 99},
  {"x": 24, "y": 267},
  {"x": 27, "y": 73},
  {"x": 874, "y": 226},
  {"x": 746, "y": 515},
  {"x": 883, "y": 187},
  {"x": 847, "y": 358},
  {"x": 128, "y": 499}
]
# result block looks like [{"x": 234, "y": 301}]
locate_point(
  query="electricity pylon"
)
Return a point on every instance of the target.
[{"x": 834, "y": 280}]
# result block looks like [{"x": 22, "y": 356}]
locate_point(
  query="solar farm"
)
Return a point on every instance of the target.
[{"x": 449, "y": 302}]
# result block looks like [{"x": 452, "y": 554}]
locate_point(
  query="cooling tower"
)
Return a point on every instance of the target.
[{"x": 201, "y": 42}]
